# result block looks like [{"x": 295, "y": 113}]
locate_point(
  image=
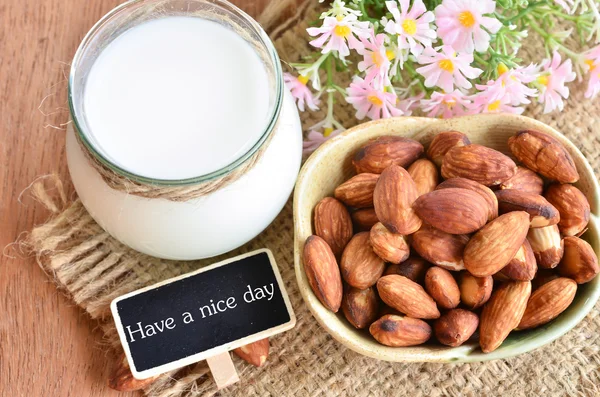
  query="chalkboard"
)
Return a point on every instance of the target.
[{"x": 201, "y": 314}]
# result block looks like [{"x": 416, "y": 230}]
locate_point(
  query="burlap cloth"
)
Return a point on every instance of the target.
[{"x": 93, "y": 268}]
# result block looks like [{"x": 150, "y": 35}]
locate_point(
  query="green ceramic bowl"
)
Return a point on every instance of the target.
[{"x": 330, "y": 165}]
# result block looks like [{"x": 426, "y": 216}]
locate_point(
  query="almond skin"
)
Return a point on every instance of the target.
[
  {"x": 394, "y": 196},
  {"x": 380, "y": 153},
  {"x": 524, "y": 180},
  {"x": 540, "y": 211},
  {"x": 357, "y": 191},
  {"x": 547, "y": 246},
  {"x": 425, "y": 175},
  {"x": 492, "y": 247},
  {"x": 475, "y": 291},
  {"x": 523, "y": 266},
  {"x": 502, "y": 313},
  {"x": 543, "y": 154},
  {"x": 440, "y": 248},
  {"x": 442, "y": 287},
  {"x": 396, "y": 331},
  {"x": 360, "y": 266},
  {"x": 443, "y": 142},
  {"x": 579, "y": 261},
  {"x": 414, "y": 268},
  {"x": 453, "y": 210},
  {"x": 364, "y": 219},
  {"x": 333, "y": 224},
  {"x": 254, "y": 353},
  {"x": 323, "y": 272},
  {"x": 388, "y": 246},
  {"x": 407, "y": 297},
  {"x": 484, "y": 191},
  {"x": 478, "y": 163},
  {"x": 360, "y": 306},
  {"x": 121, "y": 378},
  {"x": 547, "y": 302},
  {"x": 573, "y": 206},
  {"x": 455, "y": 327}
]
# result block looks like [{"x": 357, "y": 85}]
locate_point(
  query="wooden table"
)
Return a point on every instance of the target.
[{"x": 48, "y": 347}]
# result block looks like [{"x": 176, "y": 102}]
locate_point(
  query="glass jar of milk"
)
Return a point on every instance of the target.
[{"x": 178, "y": 93}]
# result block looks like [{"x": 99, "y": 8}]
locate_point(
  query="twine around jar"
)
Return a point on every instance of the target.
[{"x": 122, "y": 183}]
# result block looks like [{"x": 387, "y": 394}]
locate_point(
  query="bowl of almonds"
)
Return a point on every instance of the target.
[{"x": 468, "y": 239}]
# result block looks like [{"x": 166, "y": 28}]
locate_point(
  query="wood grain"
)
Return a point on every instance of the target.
[{"x": 48, "y": 347}]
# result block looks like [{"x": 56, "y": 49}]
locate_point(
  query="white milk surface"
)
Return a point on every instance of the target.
[{"x": 175, "y": 98}]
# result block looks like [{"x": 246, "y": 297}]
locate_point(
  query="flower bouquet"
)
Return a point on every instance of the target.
[{"x": 444, "y": 58}]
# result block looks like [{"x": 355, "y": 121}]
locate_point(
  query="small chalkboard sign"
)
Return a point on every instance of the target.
[{"x": 202, "y": 314}]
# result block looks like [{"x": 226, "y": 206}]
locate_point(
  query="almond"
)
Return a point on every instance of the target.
[
  {"x": 547, "y": 302},
  {"x": 414, "y": 268},
  {"x": 388, "y": 246},
  {"x": 425, "y": 175},
  {"x": 442, "y": 287},
  {"x": 333, "y": 224},
  {"x": 453, "y": 210},
  {"x": 364, "y": 219},
  {"x": 397, "y": 331},
  {"x": 484, "y": 191},
  {"x": 455, "y": 327},
  {"x": 323, "y": 272},
  {"x": 579, "y": 261},
  {"x": 380, "y": 153},
  {"x": 502, "y": 313},
  {"x": 543, "y": 154},
  {"x": 492, "y": 247},
  {"x": 121, "y": 378},
  {"x": 542, "y": 277},
  {"x": 407, "y": 297},
  {"x": 255, "y": 353},
  {"x": 478, "y": 163},
  {"x": 523, "y": 266},
  {"x": 360, "y": 266},
  {"x": 546, "y": 245},
  {"x": 573, "y": 206},
  {"x": 357, "y": 191},
  {"x": 475, "y": 291},
  {"x": 360, "y": 306},
  {"x": 394, "y": 196},
  {"x": 440, "y": 248},
  {"x": 443, "y": 142},
  {"x": 524, "y": 180},
  {"x": 541, "y": 212}
]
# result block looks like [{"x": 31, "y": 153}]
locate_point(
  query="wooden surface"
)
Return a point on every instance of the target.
[{"x": 48, "y": 347}]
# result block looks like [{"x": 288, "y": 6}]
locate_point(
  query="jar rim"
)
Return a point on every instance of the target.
[{"x": 263, "y": 40}]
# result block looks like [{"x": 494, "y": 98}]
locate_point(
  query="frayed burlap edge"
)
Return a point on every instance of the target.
[{"x": 92, "y": 268}]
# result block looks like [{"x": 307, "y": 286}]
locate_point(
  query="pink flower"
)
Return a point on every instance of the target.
[
  {"x": 370, "y": 101},
  {"x": 315, "y": 139},
  {"x": 494, "y": 100},
  {"x": 447, "y": 68},
  {"x": 461, "y": 22},
  {"x": 376, "y": 60},
  {"x": 299, "y": 90},
  {"x": 340, "y": 33},
  {"x": 551, "y": 82},
  {"x": 592, "y": 61},
  {"x": 411, "y": 26},
  {"x": 408, "y": 105},
  {"x": 511, "y": 83},
  {"x": 446, "y": 105}
]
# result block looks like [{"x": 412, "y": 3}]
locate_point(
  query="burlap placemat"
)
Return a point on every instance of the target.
[{"x": 93, "y": 268}]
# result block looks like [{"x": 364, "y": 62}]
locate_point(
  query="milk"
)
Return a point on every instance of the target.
[{"x": 176, "y": 97}]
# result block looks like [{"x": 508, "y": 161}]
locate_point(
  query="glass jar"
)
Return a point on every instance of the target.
[{"x": 203, "y": 226}]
